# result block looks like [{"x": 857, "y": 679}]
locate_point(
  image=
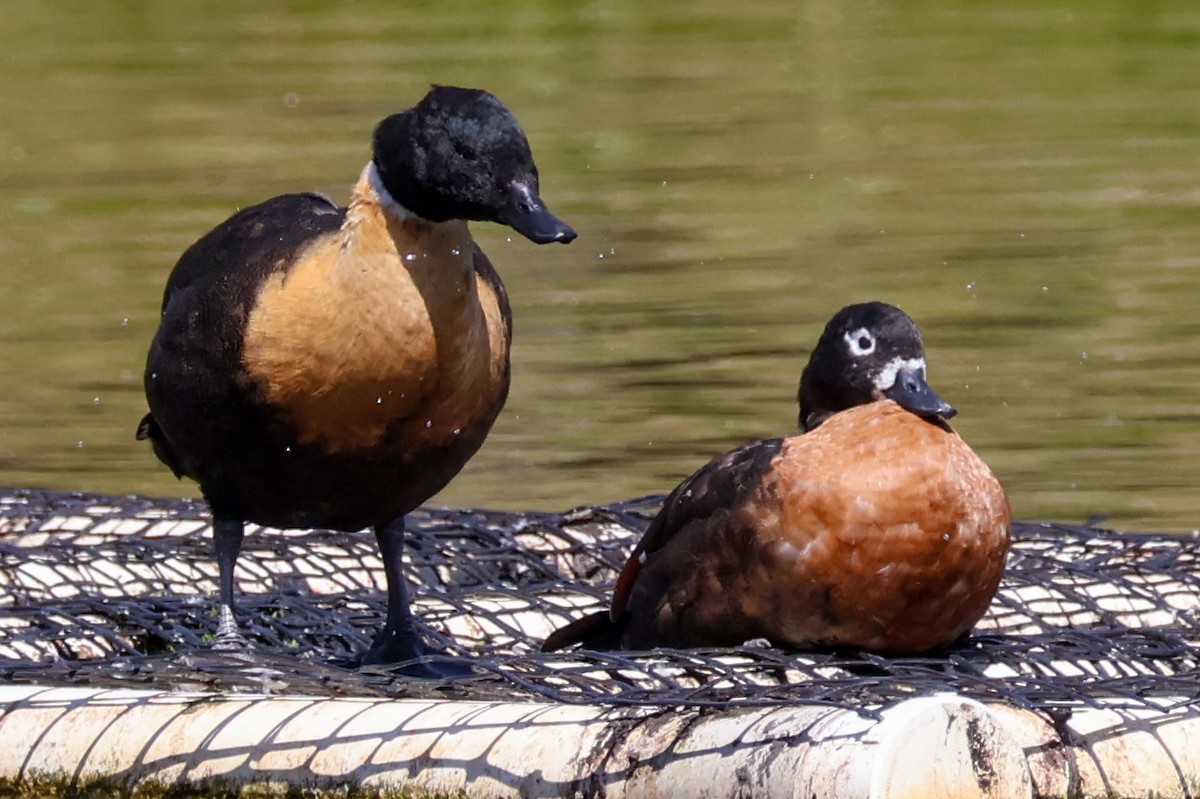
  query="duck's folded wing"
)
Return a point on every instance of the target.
[
  {"x": 261, "y": 238},
  {"x": 722, "y": 483}
]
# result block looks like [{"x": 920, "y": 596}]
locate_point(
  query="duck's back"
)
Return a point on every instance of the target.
[{"x": 240, "y": 253}]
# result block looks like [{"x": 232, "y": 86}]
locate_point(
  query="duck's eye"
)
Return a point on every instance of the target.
[{"x": 860, "y": 342}]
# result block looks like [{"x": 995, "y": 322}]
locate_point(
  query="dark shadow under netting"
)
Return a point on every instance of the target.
[{"x": 116, "y": 591}]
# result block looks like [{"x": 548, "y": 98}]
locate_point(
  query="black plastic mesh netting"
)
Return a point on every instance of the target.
[{"x": 106, "y": 591}]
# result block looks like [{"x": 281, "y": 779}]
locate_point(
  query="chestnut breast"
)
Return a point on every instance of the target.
[
  {"x": 891, "y": 534},
  {"x": 380, "y": 333}
]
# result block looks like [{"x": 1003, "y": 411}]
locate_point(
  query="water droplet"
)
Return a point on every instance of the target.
[
  {"x": 409, "y": 256},
  {"x": 287, "y": 449},
  {"x": 95, "y": 400},
  {"x": 1045, "y": 289},
  {"x": 379, "y": 400},
  {"x": 291, "y": 99},
  {"x": 945, "y": 536},
  {"x": 600, "y": 255},
  {"x": 1021, "y": 235},
  {"x": 125, "y": 322},
  {"x": 970, "y": 287},
  {"x": 428, "y": 424},
  {"x": 455, "y": 251},
  {"x": 154, "y": 375},
  {"x": 664, "y": 183},
  {"x": 78, "y": 445},
  {"x": 457, "y": 431}
]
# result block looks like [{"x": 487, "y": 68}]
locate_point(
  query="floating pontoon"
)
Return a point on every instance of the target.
[{"x": 1082, "y": 680}]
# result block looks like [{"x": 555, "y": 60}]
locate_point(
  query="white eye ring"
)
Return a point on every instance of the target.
[{"x": 860, "y": 342}]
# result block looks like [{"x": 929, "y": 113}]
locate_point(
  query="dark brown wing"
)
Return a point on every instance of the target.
[
  {"x": 722, "y": 483},
  {"x": 207, "y": 299},
  {"x": 254, "y": 242}
]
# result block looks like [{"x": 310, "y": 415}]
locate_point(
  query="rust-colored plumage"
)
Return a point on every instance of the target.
[{"x": 879, "y": 528}]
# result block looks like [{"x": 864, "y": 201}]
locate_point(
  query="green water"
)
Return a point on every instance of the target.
[{"x": 1022, "y": 177}]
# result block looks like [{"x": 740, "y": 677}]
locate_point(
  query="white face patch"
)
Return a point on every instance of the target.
[
  {"x": 887, "y": 375},
  {"x": 860, "y": 342},
  {"x": 385, "y": 199}
]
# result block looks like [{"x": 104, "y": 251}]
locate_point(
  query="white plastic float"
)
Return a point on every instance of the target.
[
  {"x": 144, "y": 741},
  {"x": 925, "y": 748}
]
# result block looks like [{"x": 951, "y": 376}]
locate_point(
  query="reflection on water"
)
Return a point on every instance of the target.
[{"x": 1021, "y": 178}]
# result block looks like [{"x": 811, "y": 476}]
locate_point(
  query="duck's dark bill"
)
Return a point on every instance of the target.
[
  {"x": 912, "y": 392},
  {"x": 528, "y": 215}
]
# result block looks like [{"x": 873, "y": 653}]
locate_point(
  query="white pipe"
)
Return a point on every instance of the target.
[
  {"x": 1116, "y": 750},
  {"x": 930, "y": 747}
]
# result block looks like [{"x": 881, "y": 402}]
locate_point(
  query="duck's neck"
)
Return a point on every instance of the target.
[
  {"x": 370, "y": 192},
  {"x": 376, "y": 224},
  {"x": 417, "y": 276}
]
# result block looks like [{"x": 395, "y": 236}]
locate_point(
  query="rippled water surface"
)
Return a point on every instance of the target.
[{"x": 1022, "y": 177}]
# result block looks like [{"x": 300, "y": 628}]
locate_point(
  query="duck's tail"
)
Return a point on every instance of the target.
[
  {"x": 595, "y": 631},
  {"x": 149, "y": 429}
]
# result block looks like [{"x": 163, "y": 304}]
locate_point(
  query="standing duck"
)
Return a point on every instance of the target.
[
  {"x": 318, "y": 366},
  {"x": 878, "y": 528}
]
